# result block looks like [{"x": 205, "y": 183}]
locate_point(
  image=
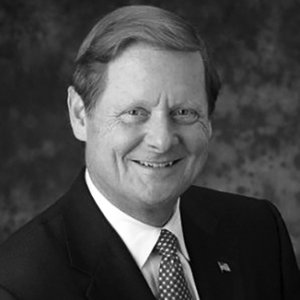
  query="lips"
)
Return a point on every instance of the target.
[{"x": 156, "y": 165}]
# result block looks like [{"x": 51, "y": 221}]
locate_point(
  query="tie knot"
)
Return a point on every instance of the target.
[{"x": 167, "y": 243}]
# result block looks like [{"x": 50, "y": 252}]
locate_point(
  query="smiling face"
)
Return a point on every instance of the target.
[{"x": 147, "y": 137}]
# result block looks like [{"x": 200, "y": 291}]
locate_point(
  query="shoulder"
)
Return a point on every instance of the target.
[
  {"x": 36, "y": 246},
  {"x": 35, "y": 260},
  {"x": 256, "y": 225},
  {"x": 240, "y": 215},
  {"x": 35, "y": 231},
  {"x": 45, "y": 229},
  {"x": 221, "y": 203}
]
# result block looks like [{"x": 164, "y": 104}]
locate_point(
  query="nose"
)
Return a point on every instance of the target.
[{"x": 161, "y": 135}]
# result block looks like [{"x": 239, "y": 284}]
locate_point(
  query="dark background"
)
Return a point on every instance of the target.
[{"x": 255, "y": 149}]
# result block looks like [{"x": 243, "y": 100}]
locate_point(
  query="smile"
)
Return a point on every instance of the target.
[{"x": 156, "y": 165}]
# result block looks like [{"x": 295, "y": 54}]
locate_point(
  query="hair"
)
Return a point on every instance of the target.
[{"x": 136, "y": 24}]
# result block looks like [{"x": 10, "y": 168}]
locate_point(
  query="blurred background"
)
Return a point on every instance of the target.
[{"x": 256, "y": 145}]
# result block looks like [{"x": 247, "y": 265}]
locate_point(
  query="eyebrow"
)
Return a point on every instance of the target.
[
  {"x": 132, "y": 103},
  {"x": 147, "y": 104}
]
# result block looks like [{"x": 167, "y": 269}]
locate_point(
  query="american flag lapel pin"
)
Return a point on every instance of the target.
[{"x": 224, "y": 267}]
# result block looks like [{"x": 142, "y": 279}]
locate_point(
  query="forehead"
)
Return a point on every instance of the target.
[
  {"x": 144, "y": 72},
  {"x": 144, "y": 59}
]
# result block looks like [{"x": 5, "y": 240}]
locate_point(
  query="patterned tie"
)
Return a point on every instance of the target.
[{"x": 171, "y": 281}]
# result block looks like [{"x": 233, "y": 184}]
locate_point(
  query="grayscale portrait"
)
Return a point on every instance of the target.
[{"x": 150, "y": 150}]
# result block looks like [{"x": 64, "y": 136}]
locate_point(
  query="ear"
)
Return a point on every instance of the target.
[{"x": 77, "y": 114}]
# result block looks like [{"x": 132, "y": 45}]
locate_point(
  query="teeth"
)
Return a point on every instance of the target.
[{"x": 156, "y": 165}]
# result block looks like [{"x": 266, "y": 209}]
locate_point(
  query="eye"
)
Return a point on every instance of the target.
[
  {"x": 135, "y": 115},
  {"x": 185, "y": 116},
  {"x": 137, "y": 112}
]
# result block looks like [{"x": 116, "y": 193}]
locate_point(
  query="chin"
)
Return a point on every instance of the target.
[{"x": 155, "y": 197}]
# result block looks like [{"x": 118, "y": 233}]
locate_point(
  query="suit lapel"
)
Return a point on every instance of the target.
[
  {"x": 118, "y": 277},
  {"x": 212, "y": 249},
  {"x": 97, "y": 251}
]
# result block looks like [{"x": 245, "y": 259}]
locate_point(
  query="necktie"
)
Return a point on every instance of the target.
[{"x": 171, "y": 282}]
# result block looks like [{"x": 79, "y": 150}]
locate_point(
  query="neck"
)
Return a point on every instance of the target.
[{"x": 154, "y": 217}]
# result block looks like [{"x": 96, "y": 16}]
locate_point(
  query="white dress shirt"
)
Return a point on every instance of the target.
[{"x": 140, "y": 239}]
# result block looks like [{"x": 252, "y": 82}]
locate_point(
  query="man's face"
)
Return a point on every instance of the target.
[{"x": 147, "y": 137}]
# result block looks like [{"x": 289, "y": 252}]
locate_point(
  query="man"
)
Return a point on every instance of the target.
[{"x": 132, "y": 226}]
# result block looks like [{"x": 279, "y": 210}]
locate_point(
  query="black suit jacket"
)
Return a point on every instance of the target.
[{"x": 71, "y": 252}]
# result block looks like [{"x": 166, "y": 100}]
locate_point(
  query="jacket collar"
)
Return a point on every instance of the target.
[{"x": 95, "y": 249}]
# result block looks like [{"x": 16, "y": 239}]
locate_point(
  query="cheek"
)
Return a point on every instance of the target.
[
  {"x": 198, "y": 153},
  {"x": 197, "y": 143},
  {"x": 117, "y": 142}
]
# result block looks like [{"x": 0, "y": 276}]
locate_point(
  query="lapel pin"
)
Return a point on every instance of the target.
[{"x": 224, "y": 267}]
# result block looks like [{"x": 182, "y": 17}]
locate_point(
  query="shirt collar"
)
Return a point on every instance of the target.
[{"x": 140, "y": 238}]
